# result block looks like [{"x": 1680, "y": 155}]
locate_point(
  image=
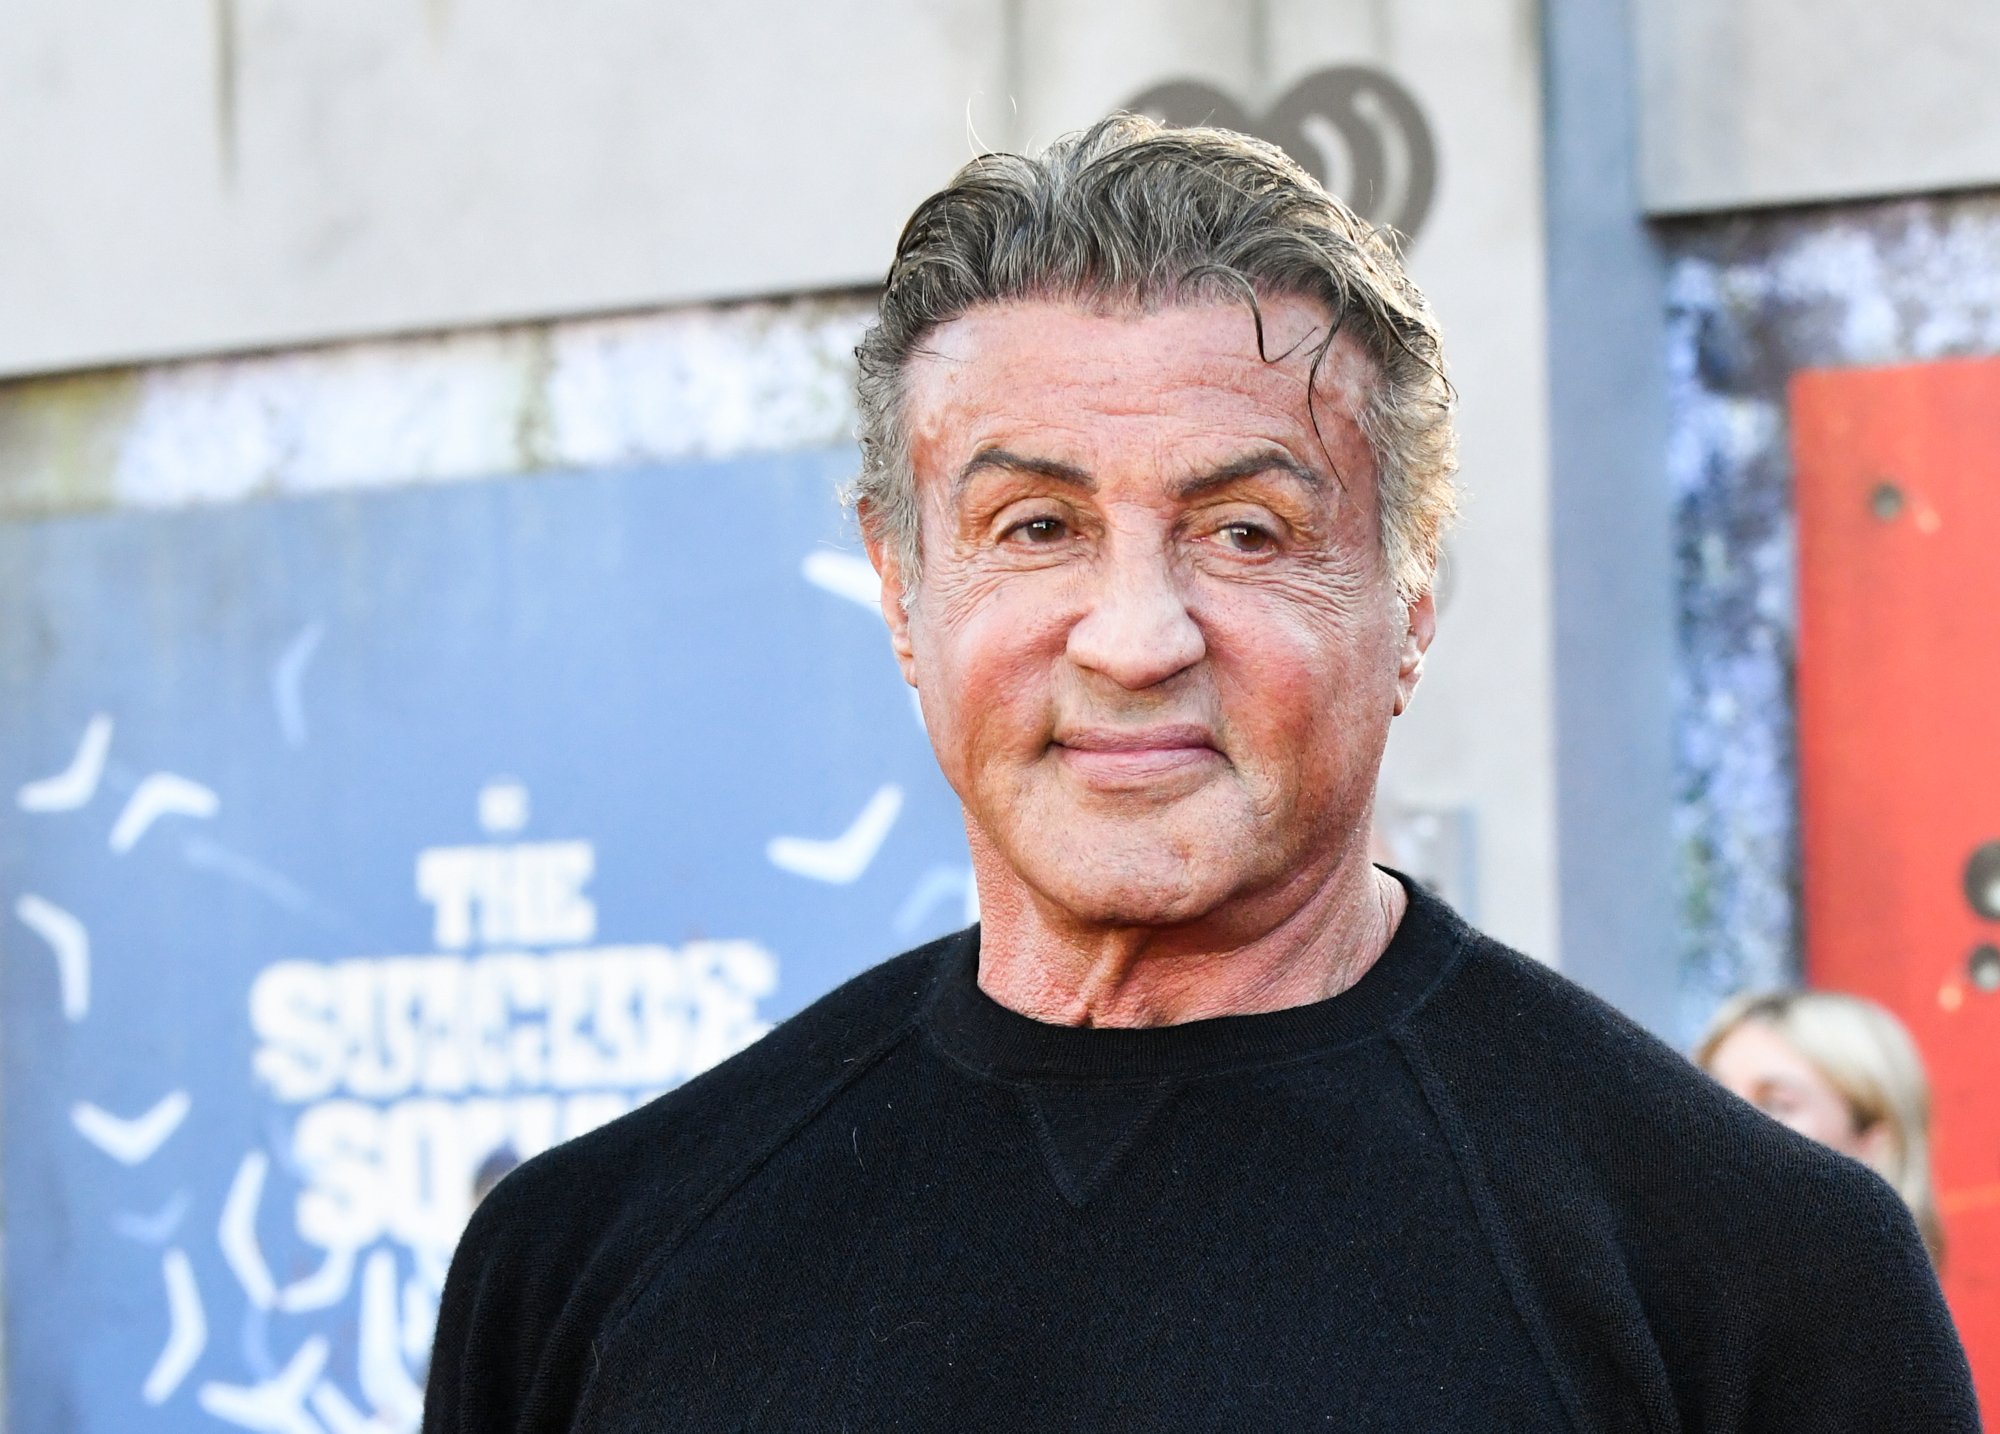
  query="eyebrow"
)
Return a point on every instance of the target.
[
  {"x": 1248, "y": 466},
  {"x": 1012, "y": 462}
]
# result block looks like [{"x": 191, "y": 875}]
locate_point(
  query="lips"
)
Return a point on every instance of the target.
[{"x": 1125, "y": 756}]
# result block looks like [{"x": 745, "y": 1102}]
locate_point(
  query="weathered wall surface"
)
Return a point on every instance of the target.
[
  {"x": 1752, "y": 301},
  {"x": 697, "y": 383}
]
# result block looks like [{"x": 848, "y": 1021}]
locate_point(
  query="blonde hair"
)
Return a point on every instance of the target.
[{"x": 1865, "y": 1054}]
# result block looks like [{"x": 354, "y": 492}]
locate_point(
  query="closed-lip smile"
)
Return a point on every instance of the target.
[{"x": 1123, "y": 756}]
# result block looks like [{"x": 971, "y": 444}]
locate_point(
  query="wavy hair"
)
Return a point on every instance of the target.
[{"x": 1129, "y": 212}]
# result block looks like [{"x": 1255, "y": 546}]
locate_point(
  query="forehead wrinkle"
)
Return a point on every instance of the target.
[{"x": 953, "y": 383}]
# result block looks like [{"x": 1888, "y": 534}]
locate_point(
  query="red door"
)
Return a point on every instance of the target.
[{"x": 1898, "y": 502}]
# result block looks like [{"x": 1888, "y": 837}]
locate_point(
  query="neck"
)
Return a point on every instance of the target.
[{"x": 1038, "y": 961}]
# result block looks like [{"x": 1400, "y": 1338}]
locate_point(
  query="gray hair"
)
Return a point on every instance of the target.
[{"x": 1131, "y": 212}]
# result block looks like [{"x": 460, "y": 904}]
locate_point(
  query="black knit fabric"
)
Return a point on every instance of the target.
[{"x": 1463, "y": 1195}]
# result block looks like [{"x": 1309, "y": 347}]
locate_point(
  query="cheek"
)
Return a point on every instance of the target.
[
  {"x": 983, "y": 654},
  {"x": 1304, "y": 663},
  {"x": 1827, "y": 1122},
  {"x": 1817, "y": 1115}
]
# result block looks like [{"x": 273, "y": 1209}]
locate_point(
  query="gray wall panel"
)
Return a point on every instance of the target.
[
  {"x": 1758, "y": 102},
  {"x": 1612, "y": 527}
]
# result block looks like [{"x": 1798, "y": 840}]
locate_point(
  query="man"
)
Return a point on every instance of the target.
[{"x": 1210, "y": 1124}]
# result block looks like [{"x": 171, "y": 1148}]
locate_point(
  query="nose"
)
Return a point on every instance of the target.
[{"x": 1137, "y": 630}]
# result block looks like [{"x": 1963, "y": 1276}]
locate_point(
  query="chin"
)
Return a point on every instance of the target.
[
  {"x": 1164, "y": 864},
  {"x": 1133, "y": 890}
]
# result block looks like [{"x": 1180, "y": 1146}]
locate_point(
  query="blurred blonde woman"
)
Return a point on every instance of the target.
[{"x": 1840, "y": 1070}]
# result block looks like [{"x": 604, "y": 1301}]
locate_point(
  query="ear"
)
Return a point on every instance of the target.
[
  {"x": 1420, "y": 628},
  {"x": 882, "y": 552}
]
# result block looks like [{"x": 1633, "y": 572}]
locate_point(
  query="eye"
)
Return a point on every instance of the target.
[
  {"x": 1038, "y": 531},
  {"x": 1777, "y": 1101},
  {"x": 1246, "y": 537}
]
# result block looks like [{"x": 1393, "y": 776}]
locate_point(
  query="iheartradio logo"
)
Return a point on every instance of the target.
[{"x": 1355, "y": 128}]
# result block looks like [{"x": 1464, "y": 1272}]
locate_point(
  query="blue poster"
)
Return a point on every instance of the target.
[{"x": 349, "y": 842}]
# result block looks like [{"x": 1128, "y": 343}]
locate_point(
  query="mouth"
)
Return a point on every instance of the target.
[{"x": 1135, "y": 756}]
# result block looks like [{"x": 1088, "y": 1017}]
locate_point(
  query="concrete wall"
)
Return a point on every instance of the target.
[
  {"x": 1673, "y": 536},
  {"x": 709, "y": 382},
  {"x": 1612, "y": 547},
  {"x": 250, "y": 173},
  {"x": 1757, "y": 102}
]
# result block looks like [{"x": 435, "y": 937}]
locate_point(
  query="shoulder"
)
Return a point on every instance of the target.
[
  {"x": 1533, "y": 1057},
  {"x": 665, "y": 1155},
  {"x": 1618, "y": 1166},
  {"x": 1552, "y": 1051},
  {"x": 1565, "y": 1098},
  {"x": 554, "y": 1251}
]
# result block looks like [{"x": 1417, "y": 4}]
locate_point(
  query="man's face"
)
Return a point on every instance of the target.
[{"x": 1156, "y": 644}]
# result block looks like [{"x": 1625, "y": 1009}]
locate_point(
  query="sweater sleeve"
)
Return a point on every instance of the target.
[
  {"x": 551, "y": 1259},
  {"x": 455, "y": 1398},
  {"x": 1864, "y": 1343},
  {"x": 1685, "y": 1261},
  {"x": 529, "y": 1287}
]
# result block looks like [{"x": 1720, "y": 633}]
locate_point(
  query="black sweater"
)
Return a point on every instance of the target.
[{"x": 1463, "y": 1195}]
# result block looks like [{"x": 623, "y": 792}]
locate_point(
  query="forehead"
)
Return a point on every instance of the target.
[
  {"x": 1186, "y": 375},
  {"x": 1756, "y": 1050}
]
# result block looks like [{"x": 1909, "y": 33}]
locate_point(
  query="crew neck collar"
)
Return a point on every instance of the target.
[{"x": 987, "y": 1037}]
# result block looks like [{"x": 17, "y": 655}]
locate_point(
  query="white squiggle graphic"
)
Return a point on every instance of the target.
[
  {"x": 844, "y": 858},
  {"x": 206, "y": 855},
  {"x": 187, "y": 1330},
  {"x": 503, "y": 807},
  {"x": 76, "y": 784},
  {"x": 237, "y": 1231},
  {"x": 844, "y": 575},
  {"x": 341, "y": 1416},
  {"x": 130, "y": 1142},
  {"x": 286, "y": 679},
  {"x": 419, "y": 1321},
  {"x": 433, "y": 1265},
  {"x": 854, "y": 578},
  {"x": 277, "y": 1406},
  {"x": 326, "y": 1286},
  {"x": 384, "y": 1377},
  {"x": 154, "y": 1229},
  {"x": 70, "y": 943},
  {"x": 161, "y": 795},
  {"x": 940, "y": 883}
]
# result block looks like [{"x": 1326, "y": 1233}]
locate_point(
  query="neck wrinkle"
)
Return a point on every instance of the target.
[
  {"x": 1141, "y": 977},
  {"x": 990, "y": 1041}
]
